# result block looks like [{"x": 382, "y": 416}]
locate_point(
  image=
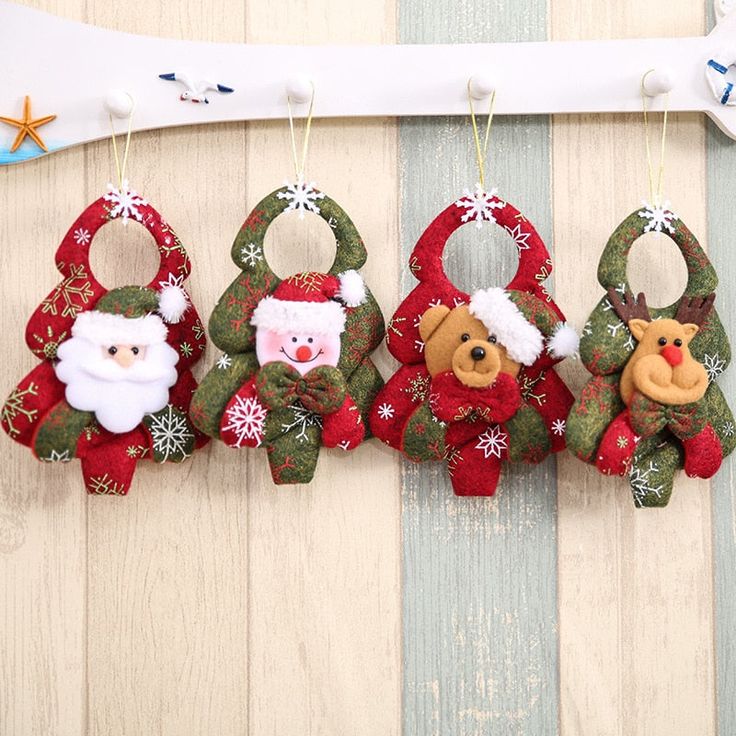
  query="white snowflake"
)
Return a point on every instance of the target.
[
  {"x": 344, "y": 445},
  {"x": 172, "y": 281},
  {"x": 224, "y": 361},
  {"x": 640, "y": 484},
  {"x": 57, "y": 457},
  {"x": 714, "y": 365},
  {"x": 434, "y": 303},
  {"x": 386, "y": 411},
  {"x": 125, "y": 202},
  {"x": 728, "y": 429},
  {"x": 630, "y": 344},
  {"x": 621, "y": 289},
  {"x": 419, "y": 344},
  {"x": 246, "y": 418},
  {"x": 170, "y": 433},
  {"x": 458, "y": 301},
  {"x": 250, "y": 254},
  {"x": 519, "y": 237},
  {"x": 613, "y": 329},
  {"x": 301, "y": 196},
  {"x": 492, "y": 442},
  {"x": 82, "y": 236},
  {"x": 303, "y": 419},
  {"x": 587, "y": 328},
  {"x": 660, "y": 217},
  {"x": 558, "y": 427},
  {"x": 479, "y": 205}
]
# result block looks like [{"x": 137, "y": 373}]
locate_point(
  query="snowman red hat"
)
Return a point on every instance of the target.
[{"x": 310, "y": 303}]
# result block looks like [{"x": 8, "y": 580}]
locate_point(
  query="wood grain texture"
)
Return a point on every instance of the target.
[
  {"x": 479, "y": 595},
  {"x": 635, "y": 586}
]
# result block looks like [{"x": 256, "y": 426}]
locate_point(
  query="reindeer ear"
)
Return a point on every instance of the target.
[
  {"x": 638, "y": 327},
  {"x": 431, "y": 320},
  {"x": 690, "y": 329}
]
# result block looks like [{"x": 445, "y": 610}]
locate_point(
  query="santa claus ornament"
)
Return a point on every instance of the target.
[
  {"x": 114, "y": 383},
  {"x": 295, "y": 373}
]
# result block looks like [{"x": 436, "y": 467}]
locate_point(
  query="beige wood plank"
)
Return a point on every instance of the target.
[
  {"x": 167, "y": 624},
  {"x": 635, "y": 586},
  {"x": 324, "y": 605}
]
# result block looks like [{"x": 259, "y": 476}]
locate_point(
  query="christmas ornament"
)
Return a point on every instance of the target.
[{"x": 652, "y": 406}]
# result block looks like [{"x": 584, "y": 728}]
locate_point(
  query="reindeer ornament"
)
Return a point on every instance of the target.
[{"x": 652, "y": 406}]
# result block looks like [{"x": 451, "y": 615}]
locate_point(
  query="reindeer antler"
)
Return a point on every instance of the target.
[
  {"x": 629, "y": 308},
  {"x": 695, "y": 309}
]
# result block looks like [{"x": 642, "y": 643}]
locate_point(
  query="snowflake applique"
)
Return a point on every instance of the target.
[
  {"x": 386, "y": 411},
  {"x": 170, "y": 433},
  {"x": 224, "y": 362},
  {"x": 660, "y": 217},
  {"x": 714, "y": 365},
  {"x": 301, "y": 197},
  {"x": 246, "y": 418},
  {"x": 479, "y": 205},
  {"x": 302, "y": 419},
  {"x": 57, "y": 457},
  {"x": 492, "y": 442},
  {"x": 82, "y": 236},
  {"x": 125, "y": 203},
  {"x": 177, "y": 281},
  {"x": 250, "y": 254},
  {"x": 641, "y": 484},
  {"x": 520, "y": 237},
  {"x": 558, "y": 427}
]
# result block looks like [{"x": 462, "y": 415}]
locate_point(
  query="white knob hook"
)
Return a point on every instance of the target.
[
  {"x": 723, "y": 8},
  {"x": 481, "y": 86},
  {"x": 119, "y": 103},
  {"x": 657, "y": 82},
  {"x": 300, "y": 89}
]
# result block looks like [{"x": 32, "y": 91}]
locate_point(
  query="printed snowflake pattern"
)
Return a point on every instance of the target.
[
  {"x": 302, "y": 419},
  {"x": 246, "y": 418},
  {"x": 57, "y": 457},
  {"x": 72, "y": 294},
  {"x": 558, "y": 427},
  {"x": 642, "y": 484},
  {"x": 250, "y": 254},
  {"x": 386, "y": 411},
  {"x": 714, "y": 365},
  {"x": 170, "y": 433},
  {"x": 15, "y": 407},
  {"x": 622, "y": 442},
  {"x": 103, "y": 485},
  {"x": 613, "y": 329},
  {"x": 138, "y": 451},
  {"x": 479, "y": 205},
  {"x": 344, "y": 445},
  {"x": 417, "y": 388},
  {"x": 301, "y": 197},
  {"x": 520, "y": 237},
  {"x": 177, "y": 281},
  {"x": 50, "y": 344},
  {"x": 419, "y": 345},
  {"x": 660, "y": 217},
  {"x": 125, "y": 203},
  {"x": 224, "y": 362},
  {"x": 186, "y": 349},
  {"x": 82, "y": 236},
  {"x": 728, "y": 429},
  {"x": 528, "y": 390},
  {"x": 492, "y": 442}
]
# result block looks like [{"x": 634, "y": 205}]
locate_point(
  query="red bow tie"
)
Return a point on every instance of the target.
[{"x": 453, "y": 401}]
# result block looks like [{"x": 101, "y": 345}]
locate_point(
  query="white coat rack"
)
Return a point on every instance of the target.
[{"x": 64, "y": 68}]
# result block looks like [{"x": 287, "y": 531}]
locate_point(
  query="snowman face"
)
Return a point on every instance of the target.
[{"x": 300, "y": 350}]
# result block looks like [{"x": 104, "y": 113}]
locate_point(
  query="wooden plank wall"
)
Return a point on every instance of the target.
[{"x": 373, "y": 601}]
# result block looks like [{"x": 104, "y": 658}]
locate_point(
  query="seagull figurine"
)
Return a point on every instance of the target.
[{"x": 195, "y": 91}]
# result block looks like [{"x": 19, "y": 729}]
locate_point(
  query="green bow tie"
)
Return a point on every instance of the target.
[
  {"x": 683, "y": 420},
  {"x": 322, "y": 390}
]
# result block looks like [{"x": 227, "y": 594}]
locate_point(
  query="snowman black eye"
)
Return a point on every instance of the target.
[
  {"x": 293, "y": 339},
  {"x": 492, "y": 339},
  {"x": 112, "y": 350},
  {"x": 662, "y": 341},
  {"x": 465, "y": 337},
  {"x": 134, "y": 350},
  {"x": 310, "y": 339}
]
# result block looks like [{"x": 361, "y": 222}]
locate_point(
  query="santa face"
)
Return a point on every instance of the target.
[
  {"x": 300, "y": 350},
  {"x": 120, "y": 383}
]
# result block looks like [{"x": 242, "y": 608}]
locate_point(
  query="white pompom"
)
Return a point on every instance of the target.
[
  {"x": 564, "y": 341},
  {"x": 352, "y": 288},
  {"x": 172, "y": 303}
]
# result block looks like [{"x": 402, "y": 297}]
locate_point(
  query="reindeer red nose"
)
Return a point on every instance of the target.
[
  {"x": 672, "y": 354},
  {"x": 303, "y": 353}
]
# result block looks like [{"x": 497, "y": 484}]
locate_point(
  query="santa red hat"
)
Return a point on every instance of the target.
[
  {"x": 310, "y": 302},
  {"x": 132, "y": 315}
]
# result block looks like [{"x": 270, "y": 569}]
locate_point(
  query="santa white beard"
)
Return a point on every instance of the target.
[{"x": 118, "y": 396}]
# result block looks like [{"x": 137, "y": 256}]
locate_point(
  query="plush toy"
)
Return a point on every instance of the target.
[
  {"x": 652, "y": 406},
  {"x": 115, "y": 381},
  {"x": 295, "y": 374},
  {"x": 477, "y": 387}
]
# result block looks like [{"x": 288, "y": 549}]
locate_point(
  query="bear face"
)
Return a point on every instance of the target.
[{"x": 456, "y": 341}]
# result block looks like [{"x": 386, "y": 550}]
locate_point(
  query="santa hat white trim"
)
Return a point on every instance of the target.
[
  {"x": 496, "y": 310},
  {"x": 282, "y": 316},
  {"x": 104, "y": 329}
]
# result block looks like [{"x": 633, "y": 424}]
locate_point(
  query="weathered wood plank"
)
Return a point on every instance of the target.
[
  {"x": 635, "y": 586},
  {"x": 479, "y": 598}
]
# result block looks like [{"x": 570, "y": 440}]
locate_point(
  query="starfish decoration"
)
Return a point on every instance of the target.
[{"x": 28, "y": 126}]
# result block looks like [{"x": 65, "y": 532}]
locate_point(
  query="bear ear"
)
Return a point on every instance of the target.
[{"x": 431, "y": 320}]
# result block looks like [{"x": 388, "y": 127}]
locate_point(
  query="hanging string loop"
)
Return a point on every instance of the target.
[
  {"x": 299, "y": 163},
  {"x": 655, "y": 189},
  {"x": 481, "y": 147},
  {"x": 120, "y": 167}
]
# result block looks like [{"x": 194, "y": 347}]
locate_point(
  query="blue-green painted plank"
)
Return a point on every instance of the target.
[{"x": 479, "y": 575}]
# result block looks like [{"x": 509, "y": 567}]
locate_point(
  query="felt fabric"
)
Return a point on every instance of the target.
[
  {"x": 648, "y": 443},
  {"x": 411, "y": 415},
  {"x": 250, "y": 405},
  {"x": 36, "y": 413}
]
